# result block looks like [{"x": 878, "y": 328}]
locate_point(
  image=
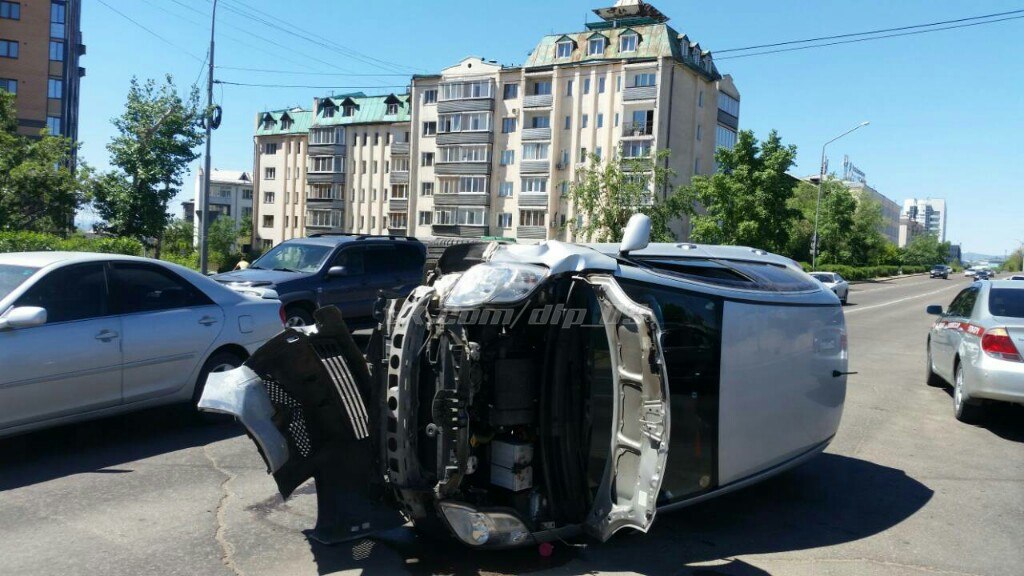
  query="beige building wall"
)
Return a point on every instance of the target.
[
  {"x": 279, "y": 200},
  {"x": 377, "y": 181}
]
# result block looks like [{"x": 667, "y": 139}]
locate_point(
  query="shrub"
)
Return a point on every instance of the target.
[{"x": 37, "y": 242}]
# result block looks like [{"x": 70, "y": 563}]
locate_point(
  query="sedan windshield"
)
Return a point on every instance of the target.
[
  {"x": 293, "y": 258},
  {"x": 13, "y": 276},
  {"x": 1007, "y": 302}
]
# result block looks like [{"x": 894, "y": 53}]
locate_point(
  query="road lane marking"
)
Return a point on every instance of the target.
[{"x": 916, "y": 296}]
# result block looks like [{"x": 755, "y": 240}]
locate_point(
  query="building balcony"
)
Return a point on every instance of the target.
[
  {"x": 475, "y": 105},
  {"x": 538, "y": 101},
  {"x": 458, "y": 230},
  {"x": 325, "y": 177},
  {"x": 533, "y": 200},
  {"x": 637, "y": 129},
  {"x": 326, "y": 150},
  {"x": 462, "y": 199},
  {"x": 399, "y": 177},
  {"x": 534, "y": 134},
  {"x": 633, "y": 93},
  {"x": 531, "y": 233},
  {"x": 462, "y": 168},
  {"x": 398, "y": 205},
  {"x": 478, "y": 137},
  {"x": 399, "y": 148},
  {"x": 534, "y": 166}
]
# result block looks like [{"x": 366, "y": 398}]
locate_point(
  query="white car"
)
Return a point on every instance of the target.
[
  {"x": 834, "y": 282},
  {"x": 970, "y": 273},
  {"x": 87, "y": 335}
]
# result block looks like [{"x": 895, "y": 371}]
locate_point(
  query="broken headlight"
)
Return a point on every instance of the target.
[
  {"x": 493, "y": 529},
  {"x": 495, "y": 283}
]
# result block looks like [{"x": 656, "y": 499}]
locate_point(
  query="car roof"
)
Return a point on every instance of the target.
[
  {"x": 708, "y": 251},
  {"x": 43, "y": 259},
  {"x": 333, "y": 240},
  {"x": 1010, "y": 284}
]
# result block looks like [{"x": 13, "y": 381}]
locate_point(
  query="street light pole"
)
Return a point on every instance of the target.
[
  {"x": 821, "y": 179},
  {"x": 204, "y": 200}
]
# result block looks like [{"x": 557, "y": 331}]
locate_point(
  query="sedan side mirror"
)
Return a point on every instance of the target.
[
  {"x": 934, "y": 310},
  {"x": 23, "y": 317},
  {"x": 337, "y": 271}
]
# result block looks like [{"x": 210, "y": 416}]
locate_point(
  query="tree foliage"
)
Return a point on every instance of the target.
[
  {"x": 158, "y": 134},
  {"x": 926, "y": 249},
  {"x": 39, "y": 191},
  {"x": 747, "y": 201},
  {"x": 606, "y": 194}
]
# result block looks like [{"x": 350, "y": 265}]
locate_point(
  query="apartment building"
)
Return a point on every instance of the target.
[
  {"x": 40, "y": 48},
  {"x": 231, "y": 196},
  {"x": 341, "y": 166},
  {"x": 495, "y": 148},
  {"x": 930, "y": 213}
]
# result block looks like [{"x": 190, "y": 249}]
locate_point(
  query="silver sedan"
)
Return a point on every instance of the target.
[
  {"x": 87, "y": 335},
  {"x": 834, "y": 282},
  {"x": 975, "y": 344}
]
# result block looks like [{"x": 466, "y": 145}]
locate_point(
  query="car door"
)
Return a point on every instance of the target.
[
  {"x": 946, "y": 334},
  {"x": 72, "y": 363},
  {"x": 169, "y": 327},
  {"x": 409, "y": 272},
  {"x": 628, "y": 491},
  {"x": 351, "y": 293}
]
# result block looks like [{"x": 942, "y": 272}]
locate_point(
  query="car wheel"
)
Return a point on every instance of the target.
[
  {"x": 932, "y": 378},
  {"x": 297, "y": 316},
  {"x": 219, "y": 362},
  {"x": 965, "y": 409},
  {"x": 845, "y": 298}
]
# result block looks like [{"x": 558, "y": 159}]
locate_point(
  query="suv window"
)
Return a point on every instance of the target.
[
  {"x": 293, "y": 256},
  {"x": 381, "y": 259},
  {"x": 409, "y": 257},
  {"x": 148, "y": 288},
  {"x": 1006, "y": 302},
  {"x": 70, "y": 293},
  {"x": 352, "y": 258},
  {"x": 733, "y": 273}
]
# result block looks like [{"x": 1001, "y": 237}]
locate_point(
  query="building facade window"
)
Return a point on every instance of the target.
[
  {"x": 508, "y": 125},
  {"x": 584, "y": 120},
  {"x": 268, "y": 221},
  {"x": 269, "y": 173},
  {"x": 643, "y": 80},
  {"x": 532, "y": 217},
  {"x": 540, "y": 122},
  {"x": 535, "y": 185},
  {"x": 9, "y": 85},
  {"x": 427, "y": 159},
  {"x": 270, "y": 148},
  {"x": 427, "y": 189},
  {"x": 724, "y": 137},
  {"x": 596, "y": 46},
  {"x": 700, "y": 99},
  {"x": 430, "y": 96},
  {"x": 586, "y": 85},
  {"x": 505, "y": 190},
  {"x": 536, "y": 151},
  {"x": 600, "y": 120},
  {"x": 599, "y": 153},
  {"x": 542, "y": 88},
  {"x": 637, "y": 149},
  {"x": 508, "y": 157},
  {"x": 56, "y": 51},
  {"x": 10, "y": 10},
  {"x": 429, "y": 128},
  {"x": 400, "y": 192},
  {"x": 426, "y": 218},
  {"x": 568, "y": 87},
  {"x": 628, "y": 42},
  {"x": 268, "y": 197},
  {"x": 58, "y": 19},
  {"x": 700, "y": 132},
  {"x": 568, "y": 122},
  {"x": 728, "y": 104},
  {"x": 563, "y": 49},
  {"x": 601, "y": 85},
  {"x": 53, "y": 124},
  {"x": 246, "y": 194},
  {"x": 8, "y": 49},
  {"x": 510, "y": 91},
  {"x": 391, "y": 110},
  {"x": 504, "y": 220}
]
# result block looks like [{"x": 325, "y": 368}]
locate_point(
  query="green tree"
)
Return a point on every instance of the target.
[
  {"x": 747, "y": 201},
  {"x": 179, "y": 238},
  {"x": 926, "y": 250},
  {"x": 158, "y": 134},
  {"x": 835, "y": 228},
  {"x": 39, "y": 191},
  {"x": 607, "y": 194},
  {"x": 222, "y": 239}
]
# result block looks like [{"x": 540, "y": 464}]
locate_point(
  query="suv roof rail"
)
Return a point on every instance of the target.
[{"x": 363, "y": 236}]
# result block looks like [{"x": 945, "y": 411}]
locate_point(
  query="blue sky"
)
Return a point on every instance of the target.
[{"x": 946, "y": 109}]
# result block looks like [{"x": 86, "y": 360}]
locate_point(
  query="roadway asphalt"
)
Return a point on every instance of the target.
[{"x": 903, "y": 489}]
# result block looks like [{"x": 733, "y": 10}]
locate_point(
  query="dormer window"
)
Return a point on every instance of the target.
[
  {"x": 628, "y": 42},
  {"x": 392, "y": 110},
  {"x": 286, "y": 122},
  {"x": 564, "y": 49},
  {"x": 596, "y": 46},
  {"x": 349, "y": 111},
  {"x": 268, "y": 123},
  {"x": 329, "y": 111}
]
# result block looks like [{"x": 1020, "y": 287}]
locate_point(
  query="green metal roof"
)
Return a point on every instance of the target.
[
  {"x": 301, "y": 121},
  {"x": 656, "y": 41},
  {"x": 369, "y": 110}
]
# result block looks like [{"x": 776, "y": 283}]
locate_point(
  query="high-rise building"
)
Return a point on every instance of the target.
[
  {"x": 40, "y": 48},
  {"x": 483, "y": 149},
  {"x": 930, "y": 213},
  {"x": 231, "y": 196}
]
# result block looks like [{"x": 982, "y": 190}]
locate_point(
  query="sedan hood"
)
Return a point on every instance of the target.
[{"x": 252, "y": 277}]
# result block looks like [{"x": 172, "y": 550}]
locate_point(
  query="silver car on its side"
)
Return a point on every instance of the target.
[
  {"x": 88, "y": 335},
  {"x": 834, "y": 282},
  {"x": 975, "y": 344}
]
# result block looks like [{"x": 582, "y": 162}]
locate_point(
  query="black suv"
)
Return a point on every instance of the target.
[
  {"x": 940, "y": 271},
  {"x": 346, "y": 270}
]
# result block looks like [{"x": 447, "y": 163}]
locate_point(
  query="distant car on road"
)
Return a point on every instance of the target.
[
  {"x": 344, "y": 270},
  {"x": 834, "y": 282},
  {"x": 940, "y": 271},
  {"x": 970, "y": 272},
  {"x": 975, "y": 345},
  {"x": 984, "y": 275},
  {"x": 87, "y": 335}
]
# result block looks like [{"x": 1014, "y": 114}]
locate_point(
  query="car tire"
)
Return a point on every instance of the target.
[
  {"x": 965, "y": 409},
  {"x": 296, "y": 316},
  {"x": 845, "y": 298},
  {"x": 932, "y": 378},
  {"x": 220, "y": 362}
]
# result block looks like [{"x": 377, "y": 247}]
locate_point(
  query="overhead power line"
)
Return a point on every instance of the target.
[
  {"x": 335, "y": 87},
  {"x": 856, "y": 40},
  {"x": 300, "y": 73},
  {"x": 147, "y": 29},
  {"x": 869, "y": 32}
]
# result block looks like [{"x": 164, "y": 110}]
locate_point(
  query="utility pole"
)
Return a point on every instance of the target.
[
  {"x": 204, "y": 200},
  {"x": 817, "y": 206}
]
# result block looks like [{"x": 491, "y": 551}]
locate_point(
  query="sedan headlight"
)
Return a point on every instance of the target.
[
  {"x": 492, "y": 529},
  {"x": 495, "y": 283}
]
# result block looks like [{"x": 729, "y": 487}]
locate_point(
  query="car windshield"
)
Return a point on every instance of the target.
[
  {"x": 13, "y": 276},
  {"x": 939, "y": 268},
  {"x": 1007, "y": 302},
  {"x": 822, "y": 277},
  {"x": 293, "y": 257}
]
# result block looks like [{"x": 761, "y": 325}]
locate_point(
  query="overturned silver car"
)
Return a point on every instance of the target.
[{"x": 530, "y": 393}]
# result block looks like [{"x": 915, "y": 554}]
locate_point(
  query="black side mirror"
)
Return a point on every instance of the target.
[
  {"x": 934, "y": 310},
  {"x": 337, "y": 272}
]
